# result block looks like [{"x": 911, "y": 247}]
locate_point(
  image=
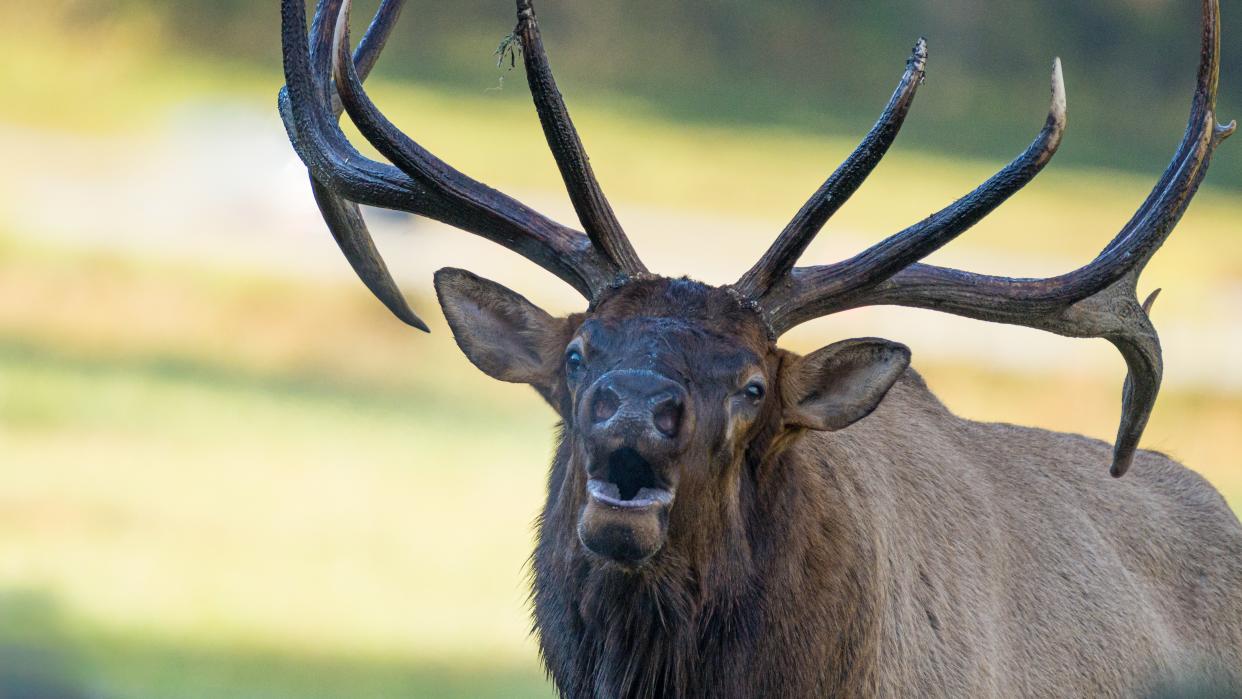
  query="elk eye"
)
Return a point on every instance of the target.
[
  {"x": 754, "y": 390},
  {"x": 573, "y": 360}
]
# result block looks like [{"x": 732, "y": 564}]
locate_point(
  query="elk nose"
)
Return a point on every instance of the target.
[{"x": 631, "y": 403}]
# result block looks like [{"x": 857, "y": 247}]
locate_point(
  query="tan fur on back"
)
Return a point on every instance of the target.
[{"x": 1010, "y": 563}]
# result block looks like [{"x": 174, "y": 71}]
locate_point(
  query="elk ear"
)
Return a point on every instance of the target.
[
  {"x": 838, "y": 385},
  {"x": 500, "y": 332}
]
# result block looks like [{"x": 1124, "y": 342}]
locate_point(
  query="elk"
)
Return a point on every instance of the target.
[{"x": 726, "y": 518}]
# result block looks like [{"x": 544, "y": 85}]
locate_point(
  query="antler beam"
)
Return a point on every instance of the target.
[
  {"x": 1097, "y": 300},
  {"x": 584, "y": 191},
  {"x": 839, "y": 187},
  {"x": 420, "y": 183},
  {"x": 797, "y": 297}
]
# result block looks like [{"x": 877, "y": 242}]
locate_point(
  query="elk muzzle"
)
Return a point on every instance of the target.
[{"x": 634, "y": 425}]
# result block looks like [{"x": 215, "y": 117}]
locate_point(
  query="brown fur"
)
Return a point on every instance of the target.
[{"x": 913, "y": 553}]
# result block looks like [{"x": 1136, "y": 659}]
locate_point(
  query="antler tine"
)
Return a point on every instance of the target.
[
  {"x": 372, "y": 44},
  {"x": 343, "y": 217},
  {"x": 596, "y": 215},
  {"x": 341, "y": 175},
  {"x": 839, "y": 187},
  {"x": 889, "y": 256},
  {"x": 489, "y": 207},
  {"x": 1097, "y": 300}
]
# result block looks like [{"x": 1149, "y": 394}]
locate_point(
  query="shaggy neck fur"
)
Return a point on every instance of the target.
[{"x": 704, "y": 615}]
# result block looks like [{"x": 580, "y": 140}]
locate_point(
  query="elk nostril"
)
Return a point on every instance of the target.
[
  {"x": 667, "y": 416},
  {"x": 605, "y": 404}
]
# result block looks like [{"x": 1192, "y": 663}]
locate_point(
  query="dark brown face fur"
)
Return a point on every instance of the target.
[
  {"x": 672, "y": 393},
  {"x": 664, "y": 386}
]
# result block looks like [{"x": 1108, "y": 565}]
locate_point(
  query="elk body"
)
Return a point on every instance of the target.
[{"x": 728, "y": 519}]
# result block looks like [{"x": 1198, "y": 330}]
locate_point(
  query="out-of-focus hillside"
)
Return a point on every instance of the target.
[{"x": 803, "y": 64}]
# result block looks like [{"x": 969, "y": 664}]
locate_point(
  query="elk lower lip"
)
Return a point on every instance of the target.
[{"x": 609, "y": 494}]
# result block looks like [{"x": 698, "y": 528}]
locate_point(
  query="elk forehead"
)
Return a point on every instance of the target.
[
  {"x": 671, "y": 303},
  {"x": 682, "y": 329}
]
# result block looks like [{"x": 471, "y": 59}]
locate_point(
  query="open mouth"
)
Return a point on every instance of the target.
[
  {"x": 627, "y": 511},
  {"x": 628, "y": 481}
]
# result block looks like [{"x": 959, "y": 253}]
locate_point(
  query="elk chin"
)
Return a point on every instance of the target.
[
  {"x": 625, "y": 531},
  {"x": 629, "y": 492}
]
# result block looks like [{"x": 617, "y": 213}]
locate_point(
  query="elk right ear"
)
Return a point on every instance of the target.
[
  {"x": 500, "y": 332},
  {"x": 838, "y": 385}
]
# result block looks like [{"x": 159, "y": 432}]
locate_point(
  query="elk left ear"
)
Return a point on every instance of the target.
[
  {"x": 838, "y": 385},
  {"x": 499, "y": 331}
]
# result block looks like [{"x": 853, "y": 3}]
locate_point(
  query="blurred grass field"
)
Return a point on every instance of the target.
[{"x": 224, "y": 482}]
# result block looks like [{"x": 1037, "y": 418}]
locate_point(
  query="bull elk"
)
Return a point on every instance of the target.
[{"x": 726, "y": 518}]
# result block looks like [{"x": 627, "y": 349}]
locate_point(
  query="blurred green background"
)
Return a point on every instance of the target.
[{"x": 225, "y": 471}]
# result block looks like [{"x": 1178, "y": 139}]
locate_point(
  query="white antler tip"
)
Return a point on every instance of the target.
[
  {"x": 338, "y": 36},
  {"x": 1058, "y": 91}
]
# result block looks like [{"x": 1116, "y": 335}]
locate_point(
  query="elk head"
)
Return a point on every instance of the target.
[
  {"x": 668, "y": 388},
  {"x": 665, "y": 386}
]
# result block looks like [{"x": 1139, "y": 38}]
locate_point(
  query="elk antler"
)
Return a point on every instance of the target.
[
  {"x": 837, "y": 189},
  {"x": 421, "y": 183},
  {"x": 1096, "y": 300}
]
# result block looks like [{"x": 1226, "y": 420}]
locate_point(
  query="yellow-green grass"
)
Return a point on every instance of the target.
[
  {"x": 47, "y": 653},
  {"x": 217, "y": 484},
  {"x": 271, "y": 520},
  {"x": 189, "y": 511}
]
